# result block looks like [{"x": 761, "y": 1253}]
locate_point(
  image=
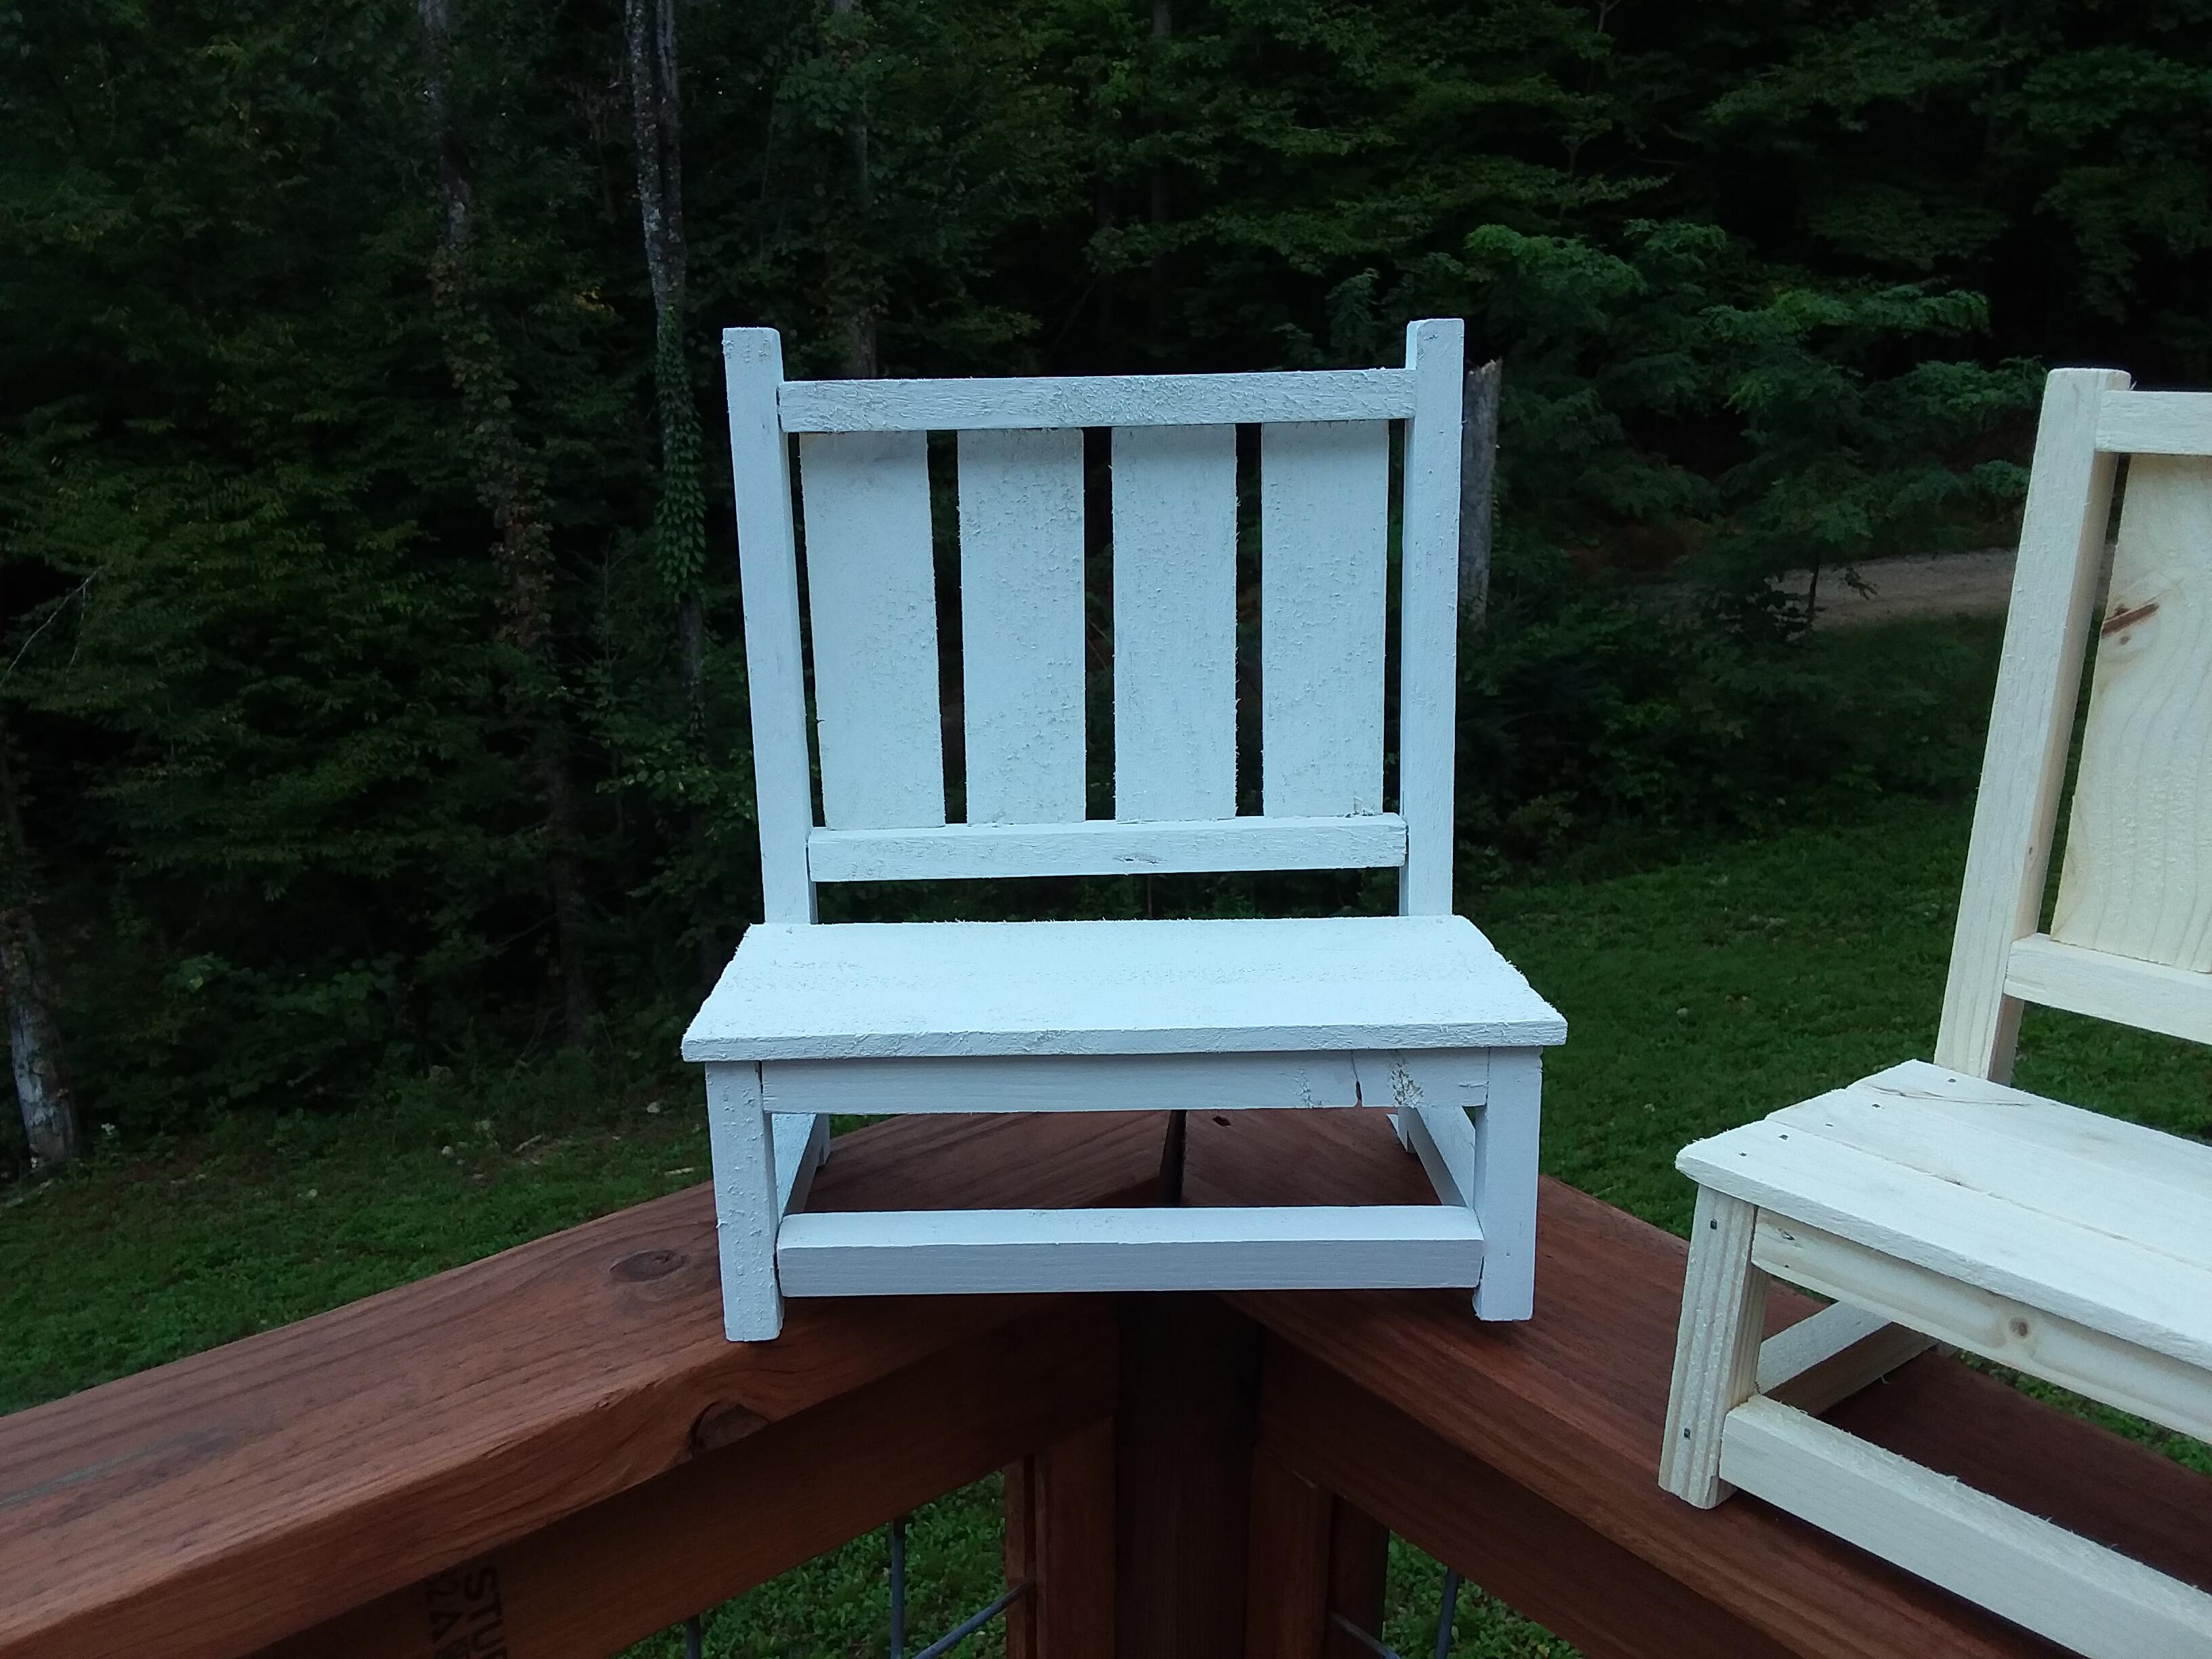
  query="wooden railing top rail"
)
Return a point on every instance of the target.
[
  {"x": 567, "y": 1414},
  {"x": 213, "y": 1505}
]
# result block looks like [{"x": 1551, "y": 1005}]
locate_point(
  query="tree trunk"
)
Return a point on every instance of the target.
[
  {"x": 34, "y": 1044},
  {"x": 1156, "y": 276},
  {"x": 680, "y": 514},
  {"x": 861, "y": 324},
  {"x": 680, "y": 519},
  {"x": 507, "y": 484},
  {"x": 1478, "y": 477}
]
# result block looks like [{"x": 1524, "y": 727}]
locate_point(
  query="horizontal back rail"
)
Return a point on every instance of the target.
[
  {"x": 1102, "y": 847},
  {"x": 1102, "y": 400},
  {"x": 2147, "y": 995},
  {"x": 2154, "y": 423}
]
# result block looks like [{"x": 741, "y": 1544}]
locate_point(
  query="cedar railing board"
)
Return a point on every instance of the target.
[
  {"x": 592, "y": 1438},
  {"x": 221, "y": 1503}
]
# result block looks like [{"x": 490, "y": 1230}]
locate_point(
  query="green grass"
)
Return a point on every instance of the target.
[{"x": 1698, "y": 995}]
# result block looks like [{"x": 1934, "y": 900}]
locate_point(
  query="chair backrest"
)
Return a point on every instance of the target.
[
  {"x": 2131, "y": 935},
  {"x": 872, "y": 615}
]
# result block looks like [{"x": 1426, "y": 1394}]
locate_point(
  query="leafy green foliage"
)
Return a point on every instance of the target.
[{"x": 1772, "y": 284}]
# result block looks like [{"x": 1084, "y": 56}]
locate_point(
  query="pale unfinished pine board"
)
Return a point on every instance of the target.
[
  {"x": 1302, "y": 984},
  {"x": 872, "y": 597},
  {"x": 2165, "y": 1389},
  {"x": 1428, "y": 614},
  {"x": 746, "y": 1203},
  {"x": 1324, "y": 520},
  {"x": 1828, "y": 1358},
  {"x": 2102, "y": 1173},
  {"x": 2155, "y": 423},
  {"x": 1102, "y": 400},
  {"x": 2062, "y": 545},
  {"x": 2122, "y": 1287},
  {"x": 1021, "y": 624},
  {"x": 1715, "y": 1347},
  {"x": 2137, "y": 876},
  {"x": 760, "y": 468},
  {"x": 1104, "y": 848},
  {"x": 1174, "y": 622},
  {"x": 963, "y": 1252},
  {"x": 2061, "y": 1585},
  {"x": 2147, "y": 995}
]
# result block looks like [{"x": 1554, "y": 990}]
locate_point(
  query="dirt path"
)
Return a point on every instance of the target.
[{"x": 1978, "y": 583}]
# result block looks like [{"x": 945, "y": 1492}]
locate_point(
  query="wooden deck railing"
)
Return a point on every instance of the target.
[{"x": 553, "y": 1453}]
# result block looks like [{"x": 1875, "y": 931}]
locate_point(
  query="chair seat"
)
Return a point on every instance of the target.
[
  {"x": 2095, "y": 1220},
  {"x": 974, "y": 989}
]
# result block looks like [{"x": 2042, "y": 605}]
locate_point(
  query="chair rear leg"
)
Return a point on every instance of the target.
[{"x": 1717, "y": 1352}]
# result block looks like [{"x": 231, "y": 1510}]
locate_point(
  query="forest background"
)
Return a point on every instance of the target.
[{"x": 372, "y": 695}]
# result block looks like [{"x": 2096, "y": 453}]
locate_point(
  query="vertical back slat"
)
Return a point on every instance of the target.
[
  {"x": 872, "y": 595},
  {"x": 2062, "y": 540},
  {"x": 2137, "y": 879},
  {"x": 1324, "y": 523},
  {"x": 1428, "y": 614},
  {"x": 1174, "y": 622},
  {"x": 1021, "y": 624},
  {"x": 768, "y": 566}
]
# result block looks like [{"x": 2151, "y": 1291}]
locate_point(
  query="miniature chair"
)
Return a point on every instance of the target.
[
  {"x": 2060, "y": 1242},
  {"x": 1415, "y": 1013}
]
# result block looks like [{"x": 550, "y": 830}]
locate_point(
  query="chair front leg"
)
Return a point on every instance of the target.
[
  {"x": 1716, "y": 1350},
  {"x": 745, "y": 1208},
  {"x": 1506, "y": 1129}
]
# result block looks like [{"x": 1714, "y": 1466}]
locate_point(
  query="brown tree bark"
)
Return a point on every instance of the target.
[
  {"x": 657, "y": 130},
  {"x": 508, "y": 486},
  {"x": 1156, "y": 285},
  {"x": 679, "y": 516},
  {"x": 43, "y": 1095},
  {"x": 860, "y": 323},
  {"x": 1478, "y": 477}
]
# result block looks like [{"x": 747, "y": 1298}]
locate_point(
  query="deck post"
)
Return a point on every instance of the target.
[
  {"x": 1186, "y": 1412},
  {"x": 1060, "y": 1540}
]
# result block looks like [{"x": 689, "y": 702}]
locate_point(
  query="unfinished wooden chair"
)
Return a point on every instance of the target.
[
  {"x": 1414, "y": 1012},
  {"x": 1932, "y": 1202}
]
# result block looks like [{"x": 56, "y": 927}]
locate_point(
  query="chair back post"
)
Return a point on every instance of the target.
[
  {"x": 768, "y": 567},
  {"x": 2062, "y": 544},
  {"x": 1428, "y": 613}
]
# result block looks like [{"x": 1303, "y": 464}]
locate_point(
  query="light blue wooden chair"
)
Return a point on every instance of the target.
[{"x": 1414, "y": 1012}]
